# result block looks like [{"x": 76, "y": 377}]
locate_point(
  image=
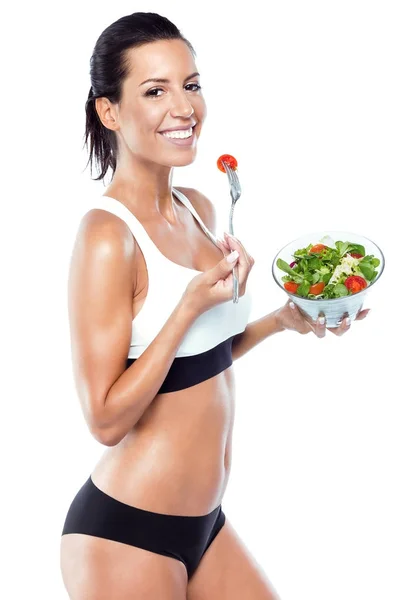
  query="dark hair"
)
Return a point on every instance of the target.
[{"x": 108, "y": 68}]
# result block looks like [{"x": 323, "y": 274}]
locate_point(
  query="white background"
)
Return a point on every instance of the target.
[{"x": 306, "y": 96}]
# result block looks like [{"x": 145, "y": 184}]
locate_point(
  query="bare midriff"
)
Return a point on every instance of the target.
[{"x": 177, "y": 458}]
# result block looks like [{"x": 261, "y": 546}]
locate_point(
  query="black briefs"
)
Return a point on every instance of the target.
[{"x": 186, "y": 538}]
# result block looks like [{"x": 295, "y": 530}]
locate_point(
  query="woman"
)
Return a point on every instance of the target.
[{"x": 154, "y": 332}]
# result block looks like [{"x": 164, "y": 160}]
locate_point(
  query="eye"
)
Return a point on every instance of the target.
[
  {"x": 196, "y": 85},
  {"x": 151, "y": 92}
]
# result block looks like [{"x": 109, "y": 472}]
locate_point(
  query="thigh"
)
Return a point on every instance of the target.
[
  {"x": 95, "y": 568},
  {"x": 228, "y": 571}
]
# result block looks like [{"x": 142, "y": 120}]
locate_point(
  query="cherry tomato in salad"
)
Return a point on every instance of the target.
[
  {"x": 355, "y": 284},
  {"x": 317, "y": 288},
  {"x": 229, "y": 159},
  {"x": 317, "y": 249},
  {"x": 291, "y": 286},
  {"x": 356, "y": 255}
]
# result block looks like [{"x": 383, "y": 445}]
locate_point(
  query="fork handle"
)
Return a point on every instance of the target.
[
  {"x": 235, "y": 271},
  {"x": 235, "y": 286}
]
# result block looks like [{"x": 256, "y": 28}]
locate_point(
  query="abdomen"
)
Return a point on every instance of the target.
[{"x": 176, "y": 460}]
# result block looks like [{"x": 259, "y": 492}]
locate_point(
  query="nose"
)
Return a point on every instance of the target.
[{"x": 181, "y": 107}]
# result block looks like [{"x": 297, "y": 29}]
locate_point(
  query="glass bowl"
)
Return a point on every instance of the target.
[{"x": 333, "y": 308}]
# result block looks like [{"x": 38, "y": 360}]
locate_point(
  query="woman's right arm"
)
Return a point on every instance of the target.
[{"x": 101, "y": 287}]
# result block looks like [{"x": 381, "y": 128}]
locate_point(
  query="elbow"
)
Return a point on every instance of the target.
[
  {"x": 103, "y": 433},
  {"x": 104, "y": 436},
  {"x": 105, "y": 429}
]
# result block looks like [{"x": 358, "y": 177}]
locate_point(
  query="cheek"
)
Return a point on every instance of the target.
[
  {"x": 142, "y": 129},
  {"x": 152, "y": 119},
  {"x": 200, "y": 108},
  {"x": 143, "y": 120}
]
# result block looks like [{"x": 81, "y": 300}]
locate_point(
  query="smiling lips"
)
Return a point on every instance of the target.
[
  {"x": 179, "y": 127},
  {"x": 179, "y": 134},
  {"x": 182, "y": 136}
]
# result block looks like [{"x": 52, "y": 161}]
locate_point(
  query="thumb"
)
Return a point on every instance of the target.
[{"x": 224, "y": 267}]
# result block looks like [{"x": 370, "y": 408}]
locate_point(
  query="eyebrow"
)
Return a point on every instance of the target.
[{"x": 159, "y": 80}]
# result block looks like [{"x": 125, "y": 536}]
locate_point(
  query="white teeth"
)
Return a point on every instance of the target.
[{"x": 187, "y": 133}]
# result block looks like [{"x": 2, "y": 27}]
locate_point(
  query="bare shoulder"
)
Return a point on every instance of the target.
[
  {"x": 103, "y": 239},
  {"x": 203, "y": 206},
  {"x": 104, "y": 231}
]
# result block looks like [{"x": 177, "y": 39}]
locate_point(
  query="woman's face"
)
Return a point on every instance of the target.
[{"x": 149, "y": 108}]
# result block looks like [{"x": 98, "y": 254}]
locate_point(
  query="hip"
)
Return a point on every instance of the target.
[{"x": 98, "y": 515}]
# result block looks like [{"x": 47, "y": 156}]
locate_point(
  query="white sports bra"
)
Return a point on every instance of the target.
[{"x": 167, "y": 282}]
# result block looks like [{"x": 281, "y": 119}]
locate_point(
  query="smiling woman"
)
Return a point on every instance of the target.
[{"x": 154, "y": 332}]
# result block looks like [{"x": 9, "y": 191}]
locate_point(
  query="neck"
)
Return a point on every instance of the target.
[{"x": 145, "y": 187}]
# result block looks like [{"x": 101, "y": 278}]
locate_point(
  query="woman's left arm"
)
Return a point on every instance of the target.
[
  {"x": 288, "y": 317},
  {"x": 255, "y": 332}
]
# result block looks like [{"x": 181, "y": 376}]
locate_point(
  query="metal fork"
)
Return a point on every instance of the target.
[{"x": 235, "y": 191}]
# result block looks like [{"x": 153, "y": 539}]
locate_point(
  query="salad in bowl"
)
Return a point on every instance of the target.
[{"x": 328, "y": 273}]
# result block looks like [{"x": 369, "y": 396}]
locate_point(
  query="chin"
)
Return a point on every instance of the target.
[
  {"x": 186, "y": 158},
  {"x": 185, "y": 162}
]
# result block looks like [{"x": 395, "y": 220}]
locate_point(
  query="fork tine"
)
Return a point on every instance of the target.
[
  {"x": 236, "y": 178},
  {"x": 228, "y": 172},
  {"x": 227, "y": 168},
  {"x": 234, "y": 183},
  {"x": 231, "y": 172}
]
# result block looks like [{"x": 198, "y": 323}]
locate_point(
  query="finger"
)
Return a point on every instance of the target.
[
  {"x": 222, "y": 245},
  {"x": 300, "y": 323},
  {"x": 344, "y": 326},
  {"x": 243, "y": 263},
  {"x": 362, "y": 314},
  {"x": 320, "y": 326},
  {"x": 221, "y": 274},
  {"x": 235, "y": 244}
]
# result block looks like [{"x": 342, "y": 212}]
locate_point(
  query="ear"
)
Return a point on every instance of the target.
[{"x": 107, "y": 112}]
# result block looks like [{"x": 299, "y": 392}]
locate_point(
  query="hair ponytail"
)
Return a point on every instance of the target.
[{"x": 98, "y": 140}]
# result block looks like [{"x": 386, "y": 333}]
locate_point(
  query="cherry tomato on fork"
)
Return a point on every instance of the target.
[{"x": 229, "y": 159}]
